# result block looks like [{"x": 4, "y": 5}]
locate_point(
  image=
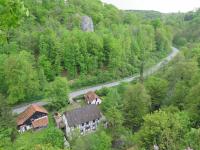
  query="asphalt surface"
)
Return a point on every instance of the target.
[{"x": 148, "y": 72}]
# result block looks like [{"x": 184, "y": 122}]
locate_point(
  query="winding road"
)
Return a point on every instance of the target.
[{"x": 148, "y": 72}]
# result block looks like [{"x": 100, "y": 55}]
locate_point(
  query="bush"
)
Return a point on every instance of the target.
[{"x": 29, "y": 140}]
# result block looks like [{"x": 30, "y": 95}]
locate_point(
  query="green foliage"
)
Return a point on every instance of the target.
[
  {"x": 11, "y": 15},
  {"x": 115, "y": 118},
  {"x": 190, "y": 29},
  {"x": 21, "y": 80},
  {"x": 136, "y": 105},
  {"x": 50, "y": 43},
  {"x": 45, "y": 147},
  {"x": 50, "y": 136},
  {"x": 57, "y": 92},
  {"x": 164, "y": 128},
  {"x": 144, "y": 45},
  {"x": 51, "y": 34},
  {"x": 7, "y": 124},
  {"x": 163, "y": 39},
  {"x": 180, "y": 92},
  {"x": 157, "y": 88},
  {"x": 112, "y": 99},
  {"x": 53, "y": 136},
  {"x": 95, "y": 141},
  {"x": 183, "y": 70},
  {"x": 45, "y": 64},
  {"x": 193, "y": 104},
  {"x": 192, "y": 139}
]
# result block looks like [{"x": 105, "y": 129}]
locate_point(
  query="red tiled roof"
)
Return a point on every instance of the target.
[
  {"x": 26, "y": 114},
  {"x": 90, "y": 96},
  {"x": 41, "y": 122}
]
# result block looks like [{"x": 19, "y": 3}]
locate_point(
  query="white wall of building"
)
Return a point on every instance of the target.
[{"x": 96, "y": 101}]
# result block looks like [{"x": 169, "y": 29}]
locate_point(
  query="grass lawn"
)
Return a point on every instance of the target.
[
  {"x": 77, "y": 104},
  {"x": 50, "y": 135}
]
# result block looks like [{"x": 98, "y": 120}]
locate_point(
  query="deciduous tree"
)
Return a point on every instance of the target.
[
  {"x": 163, "y": 128},
  {"x": 57, "y": 93},
  {"x": 157, "y": 89},
  {"x": 136, "y": 105}
]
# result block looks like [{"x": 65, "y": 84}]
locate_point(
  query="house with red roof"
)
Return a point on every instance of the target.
[
  {"x": 34, "y": 117},
  {"x": 92, "y": 98}
]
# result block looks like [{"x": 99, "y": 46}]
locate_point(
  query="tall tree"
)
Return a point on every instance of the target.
[
  {"x": 193, "y": 104},
  {"x": 157, "y": 88},
  {"x": 136, "y": 105},
  {"x": 11, "y": 15},
  {"x": 144, "y": 45},
  {"x": 20, "y": 77},
  {"x": 113, "y": 98},
  {"x": 7, "y": 124},
  {"x": 57, "y": 93},
  {"x": 163, "y": 128},
  {"x": 115, "y": 121}
]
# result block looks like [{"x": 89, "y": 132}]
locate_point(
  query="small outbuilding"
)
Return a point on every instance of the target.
[
  {"x": 92, "y": 98},
  {"x": 34, "y": 117}
]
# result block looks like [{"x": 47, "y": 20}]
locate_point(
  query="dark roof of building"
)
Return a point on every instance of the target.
[
  {"x": 26, "y": 114},
  {"x": 40, "y": 122},
  {"x": 82, "y": 115},
  {"x": 90, "y": 96}
]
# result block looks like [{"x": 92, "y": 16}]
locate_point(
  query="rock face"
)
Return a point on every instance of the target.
[{"x": 87, "y": 24}]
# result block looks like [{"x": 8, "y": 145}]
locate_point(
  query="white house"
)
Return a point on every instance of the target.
[
  {"x": 85, "y": 119},
  {"x": 92, "y": 98}
]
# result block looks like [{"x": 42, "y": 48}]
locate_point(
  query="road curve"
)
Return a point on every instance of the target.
[{"x": 150, "y": 71}]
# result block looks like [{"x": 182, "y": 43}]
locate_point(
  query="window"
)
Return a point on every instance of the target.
[
  {"x": 82, "y": 124},
  {"x": 87, "y": 128},
  {"x": 87, "y": 122},
  {"x": 93, "y": 121}
]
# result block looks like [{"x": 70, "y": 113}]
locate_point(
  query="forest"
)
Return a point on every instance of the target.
[
  {"x": 50, "y": 43},
  {"x": 45, "y": 54}
]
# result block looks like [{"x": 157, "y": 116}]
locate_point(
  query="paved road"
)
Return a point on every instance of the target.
[{"x": 19, "y": 109}]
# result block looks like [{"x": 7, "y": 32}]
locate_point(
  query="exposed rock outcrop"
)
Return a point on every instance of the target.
[{"x": 87, "y": 24}]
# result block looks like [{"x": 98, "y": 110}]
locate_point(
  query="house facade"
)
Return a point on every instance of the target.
[
  {"x": 85, "y": 119},
  {"x": 34, "y": 117},
  {"x": 92, "y": 98}
]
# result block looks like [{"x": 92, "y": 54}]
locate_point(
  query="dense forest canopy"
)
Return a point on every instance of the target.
[
  {"x": 45, "y": 52},
  {"x": 49, "y": 40}
]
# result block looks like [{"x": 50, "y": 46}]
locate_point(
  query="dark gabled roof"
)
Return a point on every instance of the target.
[{"x": 82, "y": 115}]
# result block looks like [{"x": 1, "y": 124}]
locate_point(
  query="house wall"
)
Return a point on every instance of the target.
[
  {"x": 96, "y": 101},
  {"x": 83, "y": 128},
  {"x": 67, "y": 128},
  {"x": 28, "y": 122},
  {"x": 36, "y": 115},
  {"x": 88, "y": 126}
]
